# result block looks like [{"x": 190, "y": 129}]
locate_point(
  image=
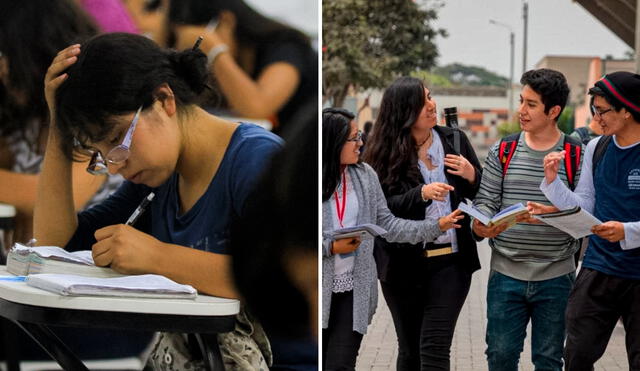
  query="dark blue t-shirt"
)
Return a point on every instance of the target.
[
  {"x": 617, "y": 187},
  {"x": 205, "y": 225}
]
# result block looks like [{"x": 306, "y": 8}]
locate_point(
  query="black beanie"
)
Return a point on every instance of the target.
[{"x": 623, "y": 87}]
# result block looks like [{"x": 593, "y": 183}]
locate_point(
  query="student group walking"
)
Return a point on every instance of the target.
[{"x": 410, "y": 180}]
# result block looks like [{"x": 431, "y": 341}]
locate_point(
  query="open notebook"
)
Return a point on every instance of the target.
[{"x": 140, "y": 286}]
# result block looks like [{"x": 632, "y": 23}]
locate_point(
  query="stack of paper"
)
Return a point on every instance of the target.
[
  {"x": 143, "y": 286},
  {"x": 23, "y": 260}
]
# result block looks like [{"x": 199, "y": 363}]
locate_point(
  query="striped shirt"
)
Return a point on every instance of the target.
[{"x": 529, "y": 252}]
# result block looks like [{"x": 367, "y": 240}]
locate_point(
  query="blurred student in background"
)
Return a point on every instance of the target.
[{"x": 264, "y": 69}]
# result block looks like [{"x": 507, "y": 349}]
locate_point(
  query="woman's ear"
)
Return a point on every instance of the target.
[{"x": 164, "y": 95}]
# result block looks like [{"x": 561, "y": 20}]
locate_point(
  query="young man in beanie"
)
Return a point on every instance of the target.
[
  {"x": 608, "y": 286},
  {"x": 532, "y": 265}
]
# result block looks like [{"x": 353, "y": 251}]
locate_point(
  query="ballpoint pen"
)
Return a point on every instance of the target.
[{"x": 140, "y": 209}]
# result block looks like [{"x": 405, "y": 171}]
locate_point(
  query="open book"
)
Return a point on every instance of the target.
[
  {"x": 508, "y": 215},
  {"x": 23, "y": 260},
  {"x": 362, "y": 231},
  {"x": 575, "y": 221},
  {"x": 141, "y": 286}
]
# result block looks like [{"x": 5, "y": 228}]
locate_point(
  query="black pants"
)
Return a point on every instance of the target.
[
  {"x": 425, "y": 313},
  {"x": 596, "y": 303},
  {"x": 340, "y": 344}
]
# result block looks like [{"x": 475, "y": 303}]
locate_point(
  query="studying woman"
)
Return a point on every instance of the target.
[{"x": 132, "y": 104}]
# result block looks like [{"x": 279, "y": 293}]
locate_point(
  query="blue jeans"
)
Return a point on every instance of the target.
[{"x": 510, "y": 305}]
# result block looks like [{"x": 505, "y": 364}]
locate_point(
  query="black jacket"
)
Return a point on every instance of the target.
[{"x": 402, "y": 262}]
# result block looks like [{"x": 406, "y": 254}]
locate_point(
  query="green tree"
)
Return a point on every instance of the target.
[
  {"x": 369, "y": 43},
  {"x": 461, "y": 74},
  {"x": 432, "y": 79},
  {"x": 566, "y": 120}
]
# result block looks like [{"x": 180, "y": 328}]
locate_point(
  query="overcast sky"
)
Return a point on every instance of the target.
[
  {"x": 302, "y": 14},
  {"x": 556, "y": 27}
]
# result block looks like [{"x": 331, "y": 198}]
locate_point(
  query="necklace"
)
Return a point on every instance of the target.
[{"x": 424, "y": 141}]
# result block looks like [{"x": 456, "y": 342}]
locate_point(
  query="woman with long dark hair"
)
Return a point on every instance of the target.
[
  {"x": 425, "y": 284},
  {"x": 351, "y": 195}
]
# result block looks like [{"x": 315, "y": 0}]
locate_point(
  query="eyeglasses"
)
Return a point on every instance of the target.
[
  {"x": 117, "y": 154},
  {"x": 597, "y": 113},
  {"x": 357, "y": 138}
]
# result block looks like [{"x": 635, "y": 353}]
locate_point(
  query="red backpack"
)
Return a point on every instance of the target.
[{"x": 572, "y": 148}]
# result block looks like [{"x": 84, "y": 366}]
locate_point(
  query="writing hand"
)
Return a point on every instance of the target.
[{"x": 125, "y": 249}]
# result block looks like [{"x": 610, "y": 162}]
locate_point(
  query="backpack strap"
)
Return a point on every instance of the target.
[
  {"x": 506, "y": 150},
  {"x": 572, "y": 148},
  {"x": 598, "y": 153},
  {"x": 583, "y": 132}
]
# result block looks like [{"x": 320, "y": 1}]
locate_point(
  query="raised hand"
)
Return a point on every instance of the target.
[
  {"x": 551, "y": 164},
  {"x": 460, "y": 166},
  {"x": 449, "y": 221},
  {"x": 436, "y": 191}
]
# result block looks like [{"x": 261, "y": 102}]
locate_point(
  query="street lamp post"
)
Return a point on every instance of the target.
[{"x": 512, "y": 46}]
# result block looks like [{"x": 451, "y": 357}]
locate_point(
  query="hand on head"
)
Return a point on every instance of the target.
[{"x": 54, "y": 77}]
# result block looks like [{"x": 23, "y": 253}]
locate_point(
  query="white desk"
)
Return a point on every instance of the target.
[
  {"x": 203, "y": 305},
  {"x": 34, "y": 309}
]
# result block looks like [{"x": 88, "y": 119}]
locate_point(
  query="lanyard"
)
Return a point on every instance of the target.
[{"x": 340, "y": 208}]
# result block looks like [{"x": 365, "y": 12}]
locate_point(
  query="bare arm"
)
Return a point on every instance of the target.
[
  {"x": 20, "y": 190},
  {"x": 261, "y": 98},
  {"x": 54, "y": 214}
]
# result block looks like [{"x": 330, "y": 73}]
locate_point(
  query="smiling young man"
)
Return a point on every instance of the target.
[
  {"x": 532, "y": 267},
  {"x": 608, "y": 286}
]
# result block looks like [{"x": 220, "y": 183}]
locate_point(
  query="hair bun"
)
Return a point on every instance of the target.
[{"x": 191, "y": 66}]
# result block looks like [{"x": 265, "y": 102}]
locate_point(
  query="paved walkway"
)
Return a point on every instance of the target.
[{"x": 379, "y": 347}]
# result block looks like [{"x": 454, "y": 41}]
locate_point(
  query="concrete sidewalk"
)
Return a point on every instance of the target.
[{"x": 379, "y": 347}]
